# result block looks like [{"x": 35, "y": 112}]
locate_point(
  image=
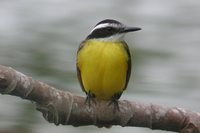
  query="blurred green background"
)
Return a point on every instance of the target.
[{"x": 40, "y": 38}]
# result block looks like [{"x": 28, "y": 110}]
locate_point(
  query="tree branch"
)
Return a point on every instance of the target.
[{"x": 65, "y": 108}]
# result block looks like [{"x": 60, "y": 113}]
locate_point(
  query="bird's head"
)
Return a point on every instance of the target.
[{"x": 110, "y": 30}]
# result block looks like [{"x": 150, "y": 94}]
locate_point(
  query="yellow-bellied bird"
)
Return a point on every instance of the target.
[{"x": 104, "y": 61}]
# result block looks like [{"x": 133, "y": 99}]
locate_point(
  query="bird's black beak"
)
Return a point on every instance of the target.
[{"x": 129, "y": 29}]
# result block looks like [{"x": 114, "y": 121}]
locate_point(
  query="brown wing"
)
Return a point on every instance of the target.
[
  {"x": 129, "y": 64},
  {"x": 77, "y": 68}
]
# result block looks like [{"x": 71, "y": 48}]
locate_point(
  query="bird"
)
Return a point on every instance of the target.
[{"x": 104, "y": 62}]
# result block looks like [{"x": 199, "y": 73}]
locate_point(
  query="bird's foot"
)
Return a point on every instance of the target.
[
  {"x": 90, "y": 97},
  {"x": 115, "y": 103}
]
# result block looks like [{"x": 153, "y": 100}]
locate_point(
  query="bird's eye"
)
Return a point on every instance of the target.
[{"x": 109, "y": 29}]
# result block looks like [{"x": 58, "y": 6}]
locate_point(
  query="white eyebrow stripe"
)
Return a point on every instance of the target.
[
  {"x": 103, "y": 26},
  {"x": 100, "y": 26}
]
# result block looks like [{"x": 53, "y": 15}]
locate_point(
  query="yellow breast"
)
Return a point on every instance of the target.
[{"x": 103, "y": 67}]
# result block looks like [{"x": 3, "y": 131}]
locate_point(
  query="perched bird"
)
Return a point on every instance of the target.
[{"x": 104, "y": 62}]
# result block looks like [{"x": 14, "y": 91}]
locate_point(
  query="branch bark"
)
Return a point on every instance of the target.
[{"x": 65, "y": 108}]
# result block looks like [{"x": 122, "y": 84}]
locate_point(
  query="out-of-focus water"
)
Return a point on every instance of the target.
[{"x": 40, "y": 39}]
